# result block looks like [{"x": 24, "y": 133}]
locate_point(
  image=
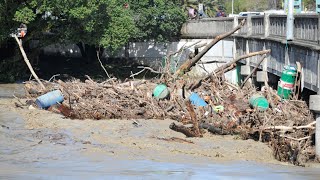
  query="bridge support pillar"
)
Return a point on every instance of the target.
[
  {"x": 314, "y": 105},
  {"x": 262, "y": 76},
  {"x": 245, "y": 70}
]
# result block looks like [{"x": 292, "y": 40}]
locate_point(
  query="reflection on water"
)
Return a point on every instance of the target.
[{"x": 49, "y": 154}]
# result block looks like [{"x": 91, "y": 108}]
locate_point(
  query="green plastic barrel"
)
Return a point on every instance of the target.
[
  {"x": 259, "y": 102},
  {"x": 161, "y": 91},
  {"x": 286, "y": 84}
]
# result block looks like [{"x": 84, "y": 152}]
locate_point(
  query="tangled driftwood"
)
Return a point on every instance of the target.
[{"x": 288, "y": 126}]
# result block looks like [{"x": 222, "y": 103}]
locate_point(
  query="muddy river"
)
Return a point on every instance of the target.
[{"x": 37, "y": 144}]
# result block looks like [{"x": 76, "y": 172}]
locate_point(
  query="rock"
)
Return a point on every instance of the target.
[{"x": 31, "y": 107}]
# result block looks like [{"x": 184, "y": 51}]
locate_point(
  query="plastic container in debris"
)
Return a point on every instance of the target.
[
  {"x": 197, "y": 100},
  {"x": 286, "y": 83},
  {"x": 259, "y": 102},
  {"x": 161, "y": 91},
  {"x": 218, "y": 109},
  {"x": 49, "y": 99}
]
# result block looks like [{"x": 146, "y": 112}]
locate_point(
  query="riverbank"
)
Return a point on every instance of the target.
[{"x": 140, "y": 139}]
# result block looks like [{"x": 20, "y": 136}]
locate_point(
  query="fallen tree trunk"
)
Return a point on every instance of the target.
[
  {"x": 184, "y": 130},
  {"x": 185, "y": 67},
  {"x": 225, "y": 66},
  {"x": 26, "y": 60},
  {"x": 229, "y": 66}
]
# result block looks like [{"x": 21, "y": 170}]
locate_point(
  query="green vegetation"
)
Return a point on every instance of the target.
[
  {"x": 99, "y": 23},
  {"x": 261, "y": 5},
  {"x": 91, "y": 24}
]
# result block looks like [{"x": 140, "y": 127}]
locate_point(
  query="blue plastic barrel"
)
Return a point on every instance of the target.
[
  {"x": 49, "y": 99},
  {"x": 197, "y": 100}
]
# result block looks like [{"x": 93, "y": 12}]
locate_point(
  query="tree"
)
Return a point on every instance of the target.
[
  {"x": 309, "y": 5},
  {"x": 247, "y": 5},
  {"x": 97, "y": 23},
  {"x": 159, "y": 20}
]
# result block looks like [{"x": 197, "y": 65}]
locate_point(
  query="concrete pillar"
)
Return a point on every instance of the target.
[
  {"x": 249, "y": 26},
  {"x": 266, "y": 25},
  {"x": 262, "y": 76},
  {"x": 235, "y": 23},
  {"x": 246, "y": 69},
  {"x": 314, "y": 105},
  {"x": 247, "y": 51},
  {"x": 222, "y": 50},
  {"x": 318, "y": 28}
]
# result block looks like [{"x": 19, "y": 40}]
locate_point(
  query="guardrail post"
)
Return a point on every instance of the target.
[
  {"x": 235, "y": 23},
  {"x": 266, "y": 25},
  {"x": 318, "y": 33},
  {"x": 249, "y": 25}
]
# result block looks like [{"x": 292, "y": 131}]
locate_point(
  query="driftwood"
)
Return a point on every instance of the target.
[
  {"x": 184, "y": 130},
  {"x": 26, "y": 60},
  {"x": 104, "y": 69},
  {"x": 286, "y": 128},
  {"x": 254, "y": 70},
  {"x": 225, "y": 66},
  {"x": 193, "y": 119},
  {"x": 185, "y": 67},
  {"x": 116, "y": 99}
]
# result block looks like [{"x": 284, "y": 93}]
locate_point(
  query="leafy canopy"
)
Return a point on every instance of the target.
[{"x": 106, "y": 23}]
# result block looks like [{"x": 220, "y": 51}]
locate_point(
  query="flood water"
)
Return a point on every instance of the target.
[{"x": 55, "y": 154}]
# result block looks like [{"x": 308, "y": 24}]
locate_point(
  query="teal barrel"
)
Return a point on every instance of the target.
[
  {"x": 286, "y": 84},
  {"x": 259, "y": 102},
  {"x": 161, "y": 91},
  {"x": 49, "y": 99}
]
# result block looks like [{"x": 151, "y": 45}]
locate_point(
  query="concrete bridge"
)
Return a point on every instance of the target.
[{"x": 268, "y": 32}]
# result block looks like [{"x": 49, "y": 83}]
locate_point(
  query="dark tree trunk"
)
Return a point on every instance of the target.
[
  {"x": 82, "y": 50},
  {"x": 88, "y": 52}
]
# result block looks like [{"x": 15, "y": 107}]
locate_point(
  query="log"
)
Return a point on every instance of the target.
[
  {"x": 184, "y": 130},
  {"x": 193, "y": 118},
  {"x": 26, "y": 60},
  {"x": 229, "y": 66},
  {"x": 254, "y": 70},
  {"x": 185, "y": 67},
  {"x": 225, "y": 66},
  {"x": 287, "y": 128}
]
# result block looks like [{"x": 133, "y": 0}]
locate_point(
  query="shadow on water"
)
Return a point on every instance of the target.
[{"x": 55, "y": 154}]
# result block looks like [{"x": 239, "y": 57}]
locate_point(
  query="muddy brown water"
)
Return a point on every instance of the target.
[{"x": 57, "y": 153}]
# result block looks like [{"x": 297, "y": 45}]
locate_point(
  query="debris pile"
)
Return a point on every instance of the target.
[{"x": 209, "y": 103}]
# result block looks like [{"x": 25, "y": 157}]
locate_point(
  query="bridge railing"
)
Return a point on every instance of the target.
[
  {"x": 257, "y": 23},
  {"x": 277, "y": 26},
  {"x": 306, "y": 27}
]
